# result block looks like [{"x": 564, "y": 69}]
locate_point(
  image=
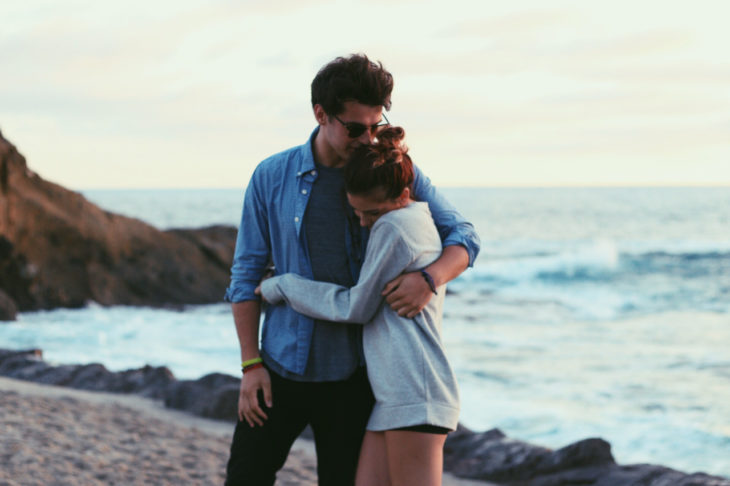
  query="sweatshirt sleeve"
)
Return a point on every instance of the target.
[{"x": 386, "y": 257}]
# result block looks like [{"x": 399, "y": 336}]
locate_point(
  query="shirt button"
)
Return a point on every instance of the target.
[
  {"x": 304, "y": 191},
  {"x": 296, "y": 219},
  {"x": 314, "y": 172}
]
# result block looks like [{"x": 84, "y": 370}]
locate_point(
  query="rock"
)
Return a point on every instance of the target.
[
  {"x": 650, "y": 475},
  {"x": 59, "y": 250},
  {"x": 29, "y": 365},
  {"x": 8, "y": 308},
  {"x": 491, "y": 456},
  {"x": 14, "y": 278},
  {"x": 213, "y": 396}
]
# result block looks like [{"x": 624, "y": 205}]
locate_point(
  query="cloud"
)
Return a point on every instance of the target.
[
  {"x": 518, "y": 82},
  {"x": 523, "y": 25}
]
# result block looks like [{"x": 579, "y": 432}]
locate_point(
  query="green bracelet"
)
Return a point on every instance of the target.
[{"x": 251, "y": 361}]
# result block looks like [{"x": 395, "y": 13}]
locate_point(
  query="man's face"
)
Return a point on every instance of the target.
[{"x": 336, "y": 133}]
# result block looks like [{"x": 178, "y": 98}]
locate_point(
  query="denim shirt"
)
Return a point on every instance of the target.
[{"x": 271, "y": 231}]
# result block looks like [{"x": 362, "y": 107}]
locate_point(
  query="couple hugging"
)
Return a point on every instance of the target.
[{"x": 363, "y": 246}]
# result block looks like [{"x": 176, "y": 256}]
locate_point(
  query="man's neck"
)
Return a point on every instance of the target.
[{"x": 324, "y": 154}]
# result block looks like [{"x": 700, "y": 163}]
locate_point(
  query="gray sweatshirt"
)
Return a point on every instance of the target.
[{"x": 411, "y": 378}]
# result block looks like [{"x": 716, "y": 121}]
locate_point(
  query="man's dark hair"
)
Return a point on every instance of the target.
[{"x": 352, "y": 78}]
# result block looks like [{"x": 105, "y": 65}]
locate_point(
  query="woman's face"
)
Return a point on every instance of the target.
[{"x": 373, "y": 205}]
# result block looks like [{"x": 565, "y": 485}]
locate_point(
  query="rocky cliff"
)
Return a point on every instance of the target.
[{"x": 57, "y": 249}]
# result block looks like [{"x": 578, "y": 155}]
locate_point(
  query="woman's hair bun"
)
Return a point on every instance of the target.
[{"x": 389, "y": 144}]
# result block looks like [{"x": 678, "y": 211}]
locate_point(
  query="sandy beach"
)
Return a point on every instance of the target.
[{"x": 60, "y": 436}]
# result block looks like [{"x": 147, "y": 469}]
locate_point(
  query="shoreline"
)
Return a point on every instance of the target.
[
  {"x": 62, "y": 435},
  {"x": 152, "y": 402}
]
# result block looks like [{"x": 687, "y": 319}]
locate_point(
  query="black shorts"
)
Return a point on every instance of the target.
[{"x": 426, "y": 428}]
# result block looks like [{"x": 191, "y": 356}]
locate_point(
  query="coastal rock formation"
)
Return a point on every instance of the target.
[
  {"x": 491, "y": 456},
  {"x": 8, "y": 309},
  {"x": 59, "y": 250},
  {"x": 151, "y": 382},
  {"x": 488, "y": 456},
  {"x": 213, "y": 396}
]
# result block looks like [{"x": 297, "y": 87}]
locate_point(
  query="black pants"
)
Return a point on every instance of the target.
[{"x": 337, "y": 412}]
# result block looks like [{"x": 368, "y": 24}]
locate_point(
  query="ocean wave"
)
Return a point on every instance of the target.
[
  {"x": 599, "y": 280},
  {"x": 596, "y": 261}
]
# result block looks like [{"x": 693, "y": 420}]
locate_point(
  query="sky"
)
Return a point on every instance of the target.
[{"x": 195, "y": 93}]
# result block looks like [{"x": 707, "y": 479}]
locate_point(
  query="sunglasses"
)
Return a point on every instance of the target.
[{"x": 355, "y": 129}]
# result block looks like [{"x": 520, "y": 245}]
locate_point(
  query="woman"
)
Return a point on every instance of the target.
[{"x": 416, "y": 397}]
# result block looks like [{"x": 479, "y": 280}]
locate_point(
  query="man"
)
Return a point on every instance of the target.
[{"x": 295, "y": 214}]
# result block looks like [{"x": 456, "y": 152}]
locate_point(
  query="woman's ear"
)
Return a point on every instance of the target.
[{"x": 404, "y": 196}]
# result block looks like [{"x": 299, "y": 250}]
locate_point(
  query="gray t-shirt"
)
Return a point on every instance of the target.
[{"x": 336, "y": 350}]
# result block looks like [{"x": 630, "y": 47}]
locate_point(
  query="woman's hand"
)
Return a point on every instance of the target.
[{"x": 257, "y": 290}]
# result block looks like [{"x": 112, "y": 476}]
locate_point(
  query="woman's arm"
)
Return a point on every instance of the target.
[{"x": 386, "y": 257}]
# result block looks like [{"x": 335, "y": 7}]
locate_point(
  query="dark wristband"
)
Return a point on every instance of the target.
[
  {"x": 429, "y": 280},
  {"x": 246, "y": 369}
]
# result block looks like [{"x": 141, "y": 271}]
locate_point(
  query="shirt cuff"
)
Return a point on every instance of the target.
[
  {"x": 471, "y": 247},
  {"x": 240, "y": 294}
]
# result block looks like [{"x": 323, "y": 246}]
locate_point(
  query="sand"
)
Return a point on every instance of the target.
[{"x": 59, "y": 436}]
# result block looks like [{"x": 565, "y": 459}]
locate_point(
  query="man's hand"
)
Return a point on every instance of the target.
[
  {"x": 408, "y": 294},
  {"x": 249, "y": 408}
]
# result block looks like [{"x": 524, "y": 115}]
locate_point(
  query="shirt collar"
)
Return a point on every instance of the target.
[{"x": 307, "y": 155}]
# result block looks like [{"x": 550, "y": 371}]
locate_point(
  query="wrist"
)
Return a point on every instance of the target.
[
  {"x": 429, "y": 280},
  {"x": 251, "y": 364}
]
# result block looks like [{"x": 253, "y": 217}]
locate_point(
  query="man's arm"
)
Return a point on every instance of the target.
[
  {"x": 409, "y": 293},
  {"x": 246, "y": 316},
  {"x": 249, "y": 264}
]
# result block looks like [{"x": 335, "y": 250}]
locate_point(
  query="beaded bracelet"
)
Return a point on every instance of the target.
[{"x": 429, "y": 280}]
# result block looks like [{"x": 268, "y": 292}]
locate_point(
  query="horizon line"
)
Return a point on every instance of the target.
[{"x": 439, "y": 186}]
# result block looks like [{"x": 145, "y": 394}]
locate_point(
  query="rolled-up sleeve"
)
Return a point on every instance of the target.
[
  {"x": 253, "y": 248},
  {"x": 453, "y": 228}
]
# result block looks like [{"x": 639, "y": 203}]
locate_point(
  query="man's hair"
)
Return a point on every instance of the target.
[
  {"x": 384, "y": 164},
  {"x": 352, "y": 78}
]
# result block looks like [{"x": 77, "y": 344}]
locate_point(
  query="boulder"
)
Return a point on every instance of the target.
[
  {"x": 29, "y": 365},
  {"x": 495, "y": 457},
  {"x": 57, "y": 249},
  {"x": 213, "y": 396},
  {"x": 8, "y": 308},
  {"x": 492, "y": 456}
]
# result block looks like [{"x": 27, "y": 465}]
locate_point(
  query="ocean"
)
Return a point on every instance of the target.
[{"x": 590, "y": 312}]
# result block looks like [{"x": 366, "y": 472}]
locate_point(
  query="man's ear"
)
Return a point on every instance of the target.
[{"x": 320, "y": 115}]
